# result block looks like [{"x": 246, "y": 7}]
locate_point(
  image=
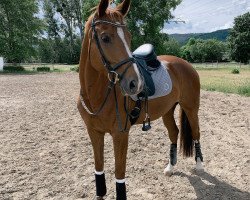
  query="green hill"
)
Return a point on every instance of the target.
[{"x": 219, "y": 35}]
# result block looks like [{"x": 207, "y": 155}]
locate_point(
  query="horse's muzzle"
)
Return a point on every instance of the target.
[{"x": 132, "y": 85}]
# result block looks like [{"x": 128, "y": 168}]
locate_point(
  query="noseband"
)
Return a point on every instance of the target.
[{"x": 113, "y": 75}]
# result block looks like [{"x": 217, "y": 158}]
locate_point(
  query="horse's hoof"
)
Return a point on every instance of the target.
[
  {"x": 168, "y": 171},
  {"x": 99, "y": 198},
  {"x": 199, "y": 166}
]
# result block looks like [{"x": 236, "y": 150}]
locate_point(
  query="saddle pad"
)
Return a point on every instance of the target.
[{"x": 162, "y": 81}]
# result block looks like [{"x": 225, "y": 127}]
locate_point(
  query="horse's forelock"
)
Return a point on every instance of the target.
[
  {"x": 111, "y": 14},
  {"x": 115, "y": 15}
]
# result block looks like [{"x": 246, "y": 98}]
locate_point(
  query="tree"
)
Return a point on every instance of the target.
[
  {"x": 239, "y": 39},
  {"x": 19, "y": 29},
  {"x": 213, "y": 50},
  {"x": 145, "y": 26},
  {"x": 185, "y": 50},
  {"x": 87, "y": 6},
  {"x": 49, "y": 47},
  {"x": 71, "y": 12},
  {"x": 198, "y": 50},
  {"x": 172, "y": 47},
  {"x": 146, "y": 20}
]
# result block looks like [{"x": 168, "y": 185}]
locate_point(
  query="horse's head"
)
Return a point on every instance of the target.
[{"x": 109, "y": 46}]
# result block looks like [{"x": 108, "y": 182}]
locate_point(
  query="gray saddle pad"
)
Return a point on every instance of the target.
[{"x": 162, "y": 81}]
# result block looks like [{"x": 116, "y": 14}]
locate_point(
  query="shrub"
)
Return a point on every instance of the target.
[
  {"x": 244, "y": 90},
  {"x": 75, "y": 69},
  {"x": 235, "y": 71},
  {"x": 43, "y": 69},
  {"x": 13, "y": 68}
]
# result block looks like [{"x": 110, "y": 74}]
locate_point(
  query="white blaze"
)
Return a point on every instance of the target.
[{"x": 122, "y": 36}]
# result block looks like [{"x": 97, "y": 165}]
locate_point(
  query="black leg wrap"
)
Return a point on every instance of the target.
[
  {"x": 100, "y": 183},
  {"x": 173, "y": 154},
  {"x": 198, "y": 153},
  {"x": 121, "y": 191}
]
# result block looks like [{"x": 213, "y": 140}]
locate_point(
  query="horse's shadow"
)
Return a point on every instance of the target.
[{"x": 208, "y": 187}]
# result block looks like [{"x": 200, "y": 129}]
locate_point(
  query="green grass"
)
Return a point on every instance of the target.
[
  {"x": 244, "y": 90},
  {"x": 223, "y": 80}
]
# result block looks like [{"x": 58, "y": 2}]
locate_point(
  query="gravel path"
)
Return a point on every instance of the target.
[{"x": 45, "y": 152}]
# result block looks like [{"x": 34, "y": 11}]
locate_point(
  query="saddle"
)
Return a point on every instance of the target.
[{"x": 147, "y": 62}]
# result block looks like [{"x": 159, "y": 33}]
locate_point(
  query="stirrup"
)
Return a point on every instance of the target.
[{"x": 146, "y": 123}]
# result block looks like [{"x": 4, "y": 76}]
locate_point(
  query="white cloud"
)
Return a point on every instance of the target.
[
  {"x": 206, "y": 15},
  {"x": 222, "y": 11},
  {"x": 201, "y": 23},
  {"x": 225, "y": 26}
]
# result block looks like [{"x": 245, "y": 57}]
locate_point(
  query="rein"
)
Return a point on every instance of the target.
[{"x": 113, "y": 76}]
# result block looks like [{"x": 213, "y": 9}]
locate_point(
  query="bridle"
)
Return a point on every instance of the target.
[{"x": 113, "y": 75}]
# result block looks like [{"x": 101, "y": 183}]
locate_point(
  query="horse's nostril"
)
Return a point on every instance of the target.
[{"x": 132, "y": 85}]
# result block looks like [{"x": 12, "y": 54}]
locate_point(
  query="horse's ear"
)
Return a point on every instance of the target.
[
  {"x": 123, "y": 8},
  {"x": 103, "y": 5}
]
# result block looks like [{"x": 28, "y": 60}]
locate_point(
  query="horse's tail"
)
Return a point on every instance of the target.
[{"x": 186, "y": 140}]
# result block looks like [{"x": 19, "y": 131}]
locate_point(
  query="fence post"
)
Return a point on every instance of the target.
[{"x": 1, "y": 63}]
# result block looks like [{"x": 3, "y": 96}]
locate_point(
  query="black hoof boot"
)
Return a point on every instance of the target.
[
  {"x": 121, "y": 191},
  {"x": 198, "y": 153},
  {"x": 173, "y": 154},
  {"x": 101, "y": 189}
]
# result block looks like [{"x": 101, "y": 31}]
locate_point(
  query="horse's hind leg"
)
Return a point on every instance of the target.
[
  {"x": 97, "y": 140},
  {"x": 173, "y": 130},
  {"x": 190, "y": 117}
]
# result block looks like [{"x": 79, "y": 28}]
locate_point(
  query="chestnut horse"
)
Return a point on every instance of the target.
[{"x": 108, "y": 73}]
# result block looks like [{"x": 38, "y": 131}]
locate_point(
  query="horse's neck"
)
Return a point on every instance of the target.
[{"x": 93, "y": 85}]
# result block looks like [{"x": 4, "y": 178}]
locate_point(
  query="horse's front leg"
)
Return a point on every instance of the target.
[
  {"x": 97, "y": 140},
  {"x": 120, "y": 141}
]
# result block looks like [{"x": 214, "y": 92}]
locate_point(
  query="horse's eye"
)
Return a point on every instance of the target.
[{"x": 106, "y": 39}]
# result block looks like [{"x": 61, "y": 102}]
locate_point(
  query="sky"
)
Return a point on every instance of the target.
[{"x": 202, "y": 16}]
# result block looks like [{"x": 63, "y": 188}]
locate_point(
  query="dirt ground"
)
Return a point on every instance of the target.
[{"x": 45, "y": 152}]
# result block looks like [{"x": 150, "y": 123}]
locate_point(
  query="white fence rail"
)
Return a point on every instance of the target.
[{"x": 1, "y": 63}]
